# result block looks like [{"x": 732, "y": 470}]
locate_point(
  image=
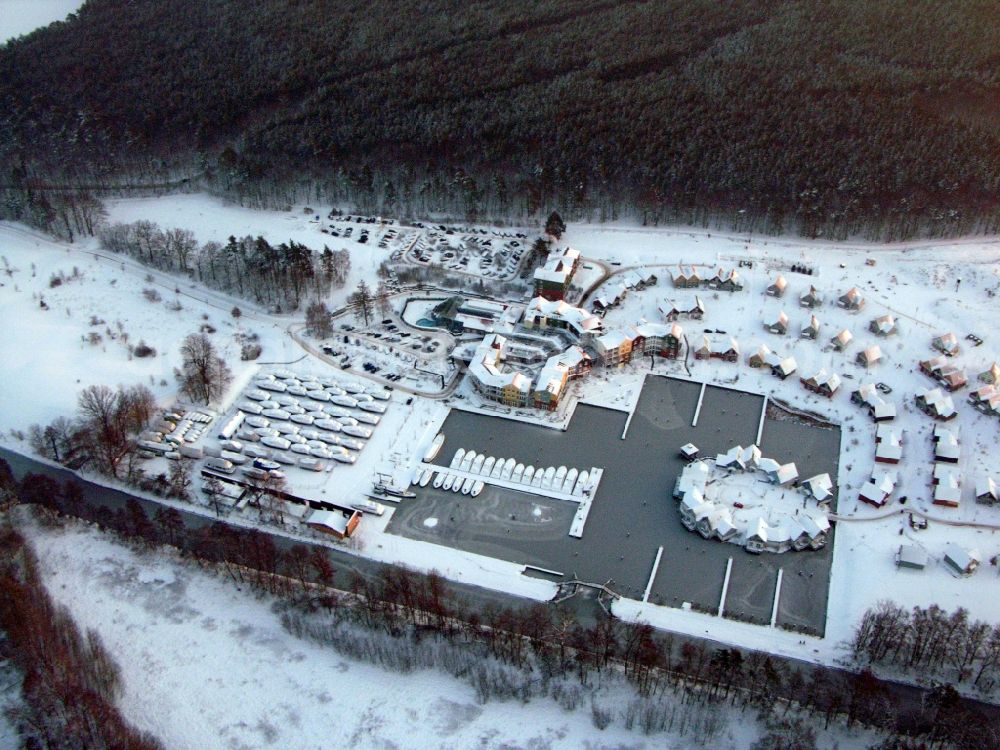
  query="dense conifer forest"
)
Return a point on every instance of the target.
[{"x": 836, "y": 118}]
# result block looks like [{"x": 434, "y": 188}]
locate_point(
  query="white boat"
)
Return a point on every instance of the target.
[
  {"x": 539, "y": 476},
  {"x": 467, "y": 485},
  {"x": 432, "y": 450},
  {"x": 508, "y": 468},
  {"x": 372, "y": 407},
  {"x": 467, "y": 461},
  {"x": 582, "y": 482},
  {"x": 438, "y": 480},
  {"x": 529, "y": 474},
  {"x": 350, "y": 458},
  {"x": 448, "y": 482},
  {"x": 383, "y": 483},
  {"x": 497, "y": 468},
  {"x": 426, "y": 477},
  {"x": 517, "y": 473},
  {"x": 559, "y": 478},
  {"x": 357, "y": 431},
  {"x": 344, "y": 401},
  {"x": 364, "y": 418},
  {"x": 488, "y": 466},
  {"x": 369, "y": 506},
  {"x": 570, "y": 481},
  {"x": 477, "y": 465},
  {"x": 457, "y": 458},
  {"x": 477, "y": 487},
  {"x": 457, "y": 485}
]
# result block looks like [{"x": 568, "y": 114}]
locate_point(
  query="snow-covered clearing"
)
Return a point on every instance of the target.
[
  {"x": 47, "y": 357},
  {"x": 204, "y": 665},
  {"x": 19, "y": 17}
]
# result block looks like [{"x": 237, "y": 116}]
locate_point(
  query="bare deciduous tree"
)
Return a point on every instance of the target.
[{"x": 204, "y": 374}]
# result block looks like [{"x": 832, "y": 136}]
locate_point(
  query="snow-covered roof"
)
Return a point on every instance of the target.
[
  {"x": 843, "y": 338},
  {"x": 961, "y": 558},
  {"x": 780, "y": 322},
  {"x": 946, "y": 342},
  {"x": 947, "y": 446},
  {"x": 786, "y": 366},
  {"x": 991, "y": 374},
  {"x": 986, "y": 486},
  {"x": 819, "y": 486},
  {"x": 576, "y": 318},
  {"x": 559, "y": 266},
  {"x": 329, "y": 519},
  {"x": 883, "y": 325},
  {"x": 731, "y": 459},
  {"x": 933, "y": 365},
  {"x": 852, "y": 298},
  {"x": 890, "y": 448},
  {"x": 487, "y": 365},
  {"x": 811, "y": 296},
  {"x": 823, "y": 379},
  {"x": 887, "y": 432},
  {"x": 751, "y": 456},
  {"x": 722, "y": 345},
  {"x": 870, "y": 356},
  {"x": 658, "y": 330},
  {"x": 613, "y": 339},
  {"x": 936, "y": 401},
  {"x": 814, "y": 524},
  {"x": 912, "y": 556},
  {"x": 787, "y": 473}
]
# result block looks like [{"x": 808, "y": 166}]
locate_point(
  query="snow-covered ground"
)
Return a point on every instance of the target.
[
  {"x": 19, "y": 17},
  {"x": 46, "y": 362},
  {"x": 205, "y": 665}
]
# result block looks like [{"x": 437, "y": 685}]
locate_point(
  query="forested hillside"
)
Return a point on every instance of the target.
[{"x": 877, "y": 118}]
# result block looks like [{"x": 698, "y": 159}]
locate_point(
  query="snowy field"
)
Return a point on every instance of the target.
[
  {"x": 205, "y": 666},
  {"x": 929, "y": 287},
  {"x": 19, "y": 17}
]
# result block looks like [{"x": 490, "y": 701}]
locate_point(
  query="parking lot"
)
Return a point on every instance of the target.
[
  {"x": 489, "y": 254},
  {"x": 633, "y": 513}
]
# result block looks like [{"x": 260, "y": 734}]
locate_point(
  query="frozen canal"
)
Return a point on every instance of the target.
[{"x": 633, "y": 513}]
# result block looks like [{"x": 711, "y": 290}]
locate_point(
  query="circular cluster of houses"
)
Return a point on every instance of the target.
[{"x": 756, "y": 502}]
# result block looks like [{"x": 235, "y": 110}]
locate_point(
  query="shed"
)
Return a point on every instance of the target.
[
  {"x": 911, "y": 556},
  {"x": 689, "y": 451},
  {"x": 960, "y": 560},
  {"x": 339, "y": 524}
]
